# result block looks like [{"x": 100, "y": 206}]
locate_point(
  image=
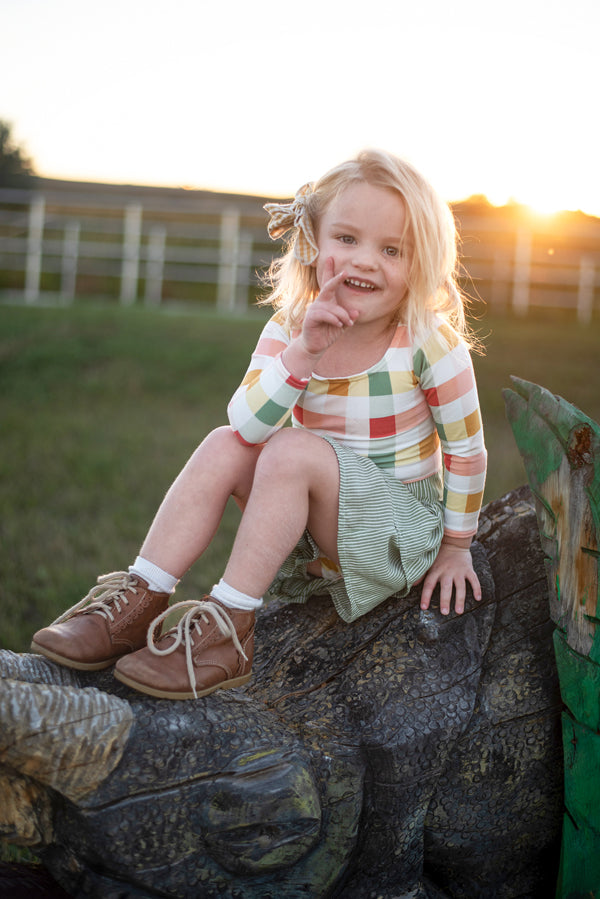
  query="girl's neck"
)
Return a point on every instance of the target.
[{"x": 357, "y": 349}]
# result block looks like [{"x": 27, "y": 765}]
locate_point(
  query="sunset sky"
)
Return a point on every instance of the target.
[{"x": 260, "y": 97}]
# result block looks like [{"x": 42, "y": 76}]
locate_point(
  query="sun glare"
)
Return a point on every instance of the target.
[
  {"x": 544, "y": 197},
  {"x": 544, "y": 207}
]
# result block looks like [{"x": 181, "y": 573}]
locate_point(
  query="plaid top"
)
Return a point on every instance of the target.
[{"x": 414, "y": 413}]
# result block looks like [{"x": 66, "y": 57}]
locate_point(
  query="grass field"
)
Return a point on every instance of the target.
[{"x": 100, "y": 407}]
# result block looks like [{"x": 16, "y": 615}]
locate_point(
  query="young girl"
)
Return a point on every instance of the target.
[{"x": 375, "y": 487}]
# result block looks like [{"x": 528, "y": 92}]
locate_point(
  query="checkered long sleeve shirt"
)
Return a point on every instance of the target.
[{"x": 414, "y": 413}]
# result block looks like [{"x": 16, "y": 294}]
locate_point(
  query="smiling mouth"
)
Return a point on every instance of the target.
[{"x": 363, "y": 285}]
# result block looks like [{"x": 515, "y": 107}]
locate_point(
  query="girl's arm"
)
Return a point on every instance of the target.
[
  {"x": 325, "y": 320},
  {"x": 446, "y": 375},
  {"x": 282, "y": 365},
  {"x": 262, "y": 403}
]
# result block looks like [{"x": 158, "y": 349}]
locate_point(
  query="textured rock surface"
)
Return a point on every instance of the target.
[{"x": 406, "y": 754}]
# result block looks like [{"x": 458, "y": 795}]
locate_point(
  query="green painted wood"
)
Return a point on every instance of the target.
[
  {"x": 560, "y": 447},
  {"x": 579, "y": 683},
  {"x": 578, "y": 873},
  {"x": 582, "y": 786}
]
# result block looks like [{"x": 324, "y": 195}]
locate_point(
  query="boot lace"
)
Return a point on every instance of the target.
[
  {"x": 110, "y": 590},
  {"x": 189, "y": 624}
]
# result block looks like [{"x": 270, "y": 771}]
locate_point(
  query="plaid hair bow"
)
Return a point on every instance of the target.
[{"x": 285, "y": 216}]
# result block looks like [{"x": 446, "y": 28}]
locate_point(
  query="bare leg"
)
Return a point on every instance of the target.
[
  {"x": 94, "y": 636},
  {"x": 296, "y": 485},
  {"x": 192, "y": 509},
  {"x": 292, "y": 482}
]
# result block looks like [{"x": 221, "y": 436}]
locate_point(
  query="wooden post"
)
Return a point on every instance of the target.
[
  {"x": 132, "y": 234},
  {"x": 585, "y": 293},
  {"x": 228, "y": 262},
  {"x": 68, "y": 275},
  {"x": 244, "y": 271},
  {"x": 522, "y": 271},
  {"x": 155, "y": 265},
  {"x": 35, "y": 237},
  {"x": 560, "y": 447},
  {"x": 500, "y": 280}
]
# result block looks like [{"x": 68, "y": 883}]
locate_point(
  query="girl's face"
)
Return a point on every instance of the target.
[{"x": 362, "y": 231}]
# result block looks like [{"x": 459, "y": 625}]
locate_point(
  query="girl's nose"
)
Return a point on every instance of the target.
[{"x": 364, "y": 258}]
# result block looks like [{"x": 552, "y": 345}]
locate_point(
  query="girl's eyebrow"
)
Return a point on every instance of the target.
[{"x": 342, "y": 224}]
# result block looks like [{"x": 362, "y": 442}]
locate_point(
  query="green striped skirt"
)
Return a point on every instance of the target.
[{"x": 389, "y": 534}]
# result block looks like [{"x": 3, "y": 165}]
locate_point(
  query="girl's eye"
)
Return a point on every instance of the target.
[
  {"x": 392, "y": 251},
  {"x": 346, "y": 238}
]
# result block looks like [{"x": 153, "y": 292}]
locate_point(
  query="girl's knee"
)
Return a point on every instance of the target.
[
  {"x": 223, "y": 463},
  {"x": 214, "y": 444},
  {"x": 289, "y": 443},
  {"x": 221, "y": 436},
  {"x": 291, "y": 451},
  {"x": 222, "y": 440},
  {"x": 221, "y": 449}
]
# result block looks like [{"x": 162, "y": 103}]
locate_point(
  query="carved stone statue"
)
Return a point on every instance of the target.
[{"x": 408, "y": 754}]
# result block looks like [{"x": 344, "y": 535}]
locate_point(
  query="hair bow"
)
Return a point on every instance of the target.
[{"x": 285, "y": 216}]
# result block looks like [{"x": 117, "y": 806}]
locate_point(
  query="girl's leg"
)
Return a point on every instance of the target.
[
  {"x": 296, "y": 486},
  {"x": 191, "y": 511},
  {"x": 113, "y": 619}
]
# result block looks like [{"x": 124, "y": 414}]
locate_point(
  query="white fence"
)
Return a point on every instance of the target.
[
  {"x": 521, "y": 261},
  {"x": 142, "y": 245},
  {"x": 156, "y": 245}
]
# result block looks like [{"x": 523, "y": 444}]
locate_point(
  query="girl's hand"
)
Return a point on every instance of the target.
[
  {"x": 326, "y": 319},
  {"x": 452, "y": 569}
]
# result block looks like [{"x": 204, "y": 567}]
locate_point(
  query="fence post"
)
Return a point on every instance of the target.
[
  {"x": 155, "y": 262},
  {"x": 132, "y": 233},
  {"x": 35, "y": 236},
  {"x": 68, "y": 274},
  {"x": 585, "y": 293},
  {"x": 228, "y": 260},
  {"x": 245, "y": 262},
  {"x": 500, "y": 280},
  {"x": 522, "y": 272}
]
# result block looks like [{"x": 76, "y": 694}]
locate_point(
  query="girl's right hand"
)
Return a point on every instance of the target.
[{"x": 326, "y": 319}]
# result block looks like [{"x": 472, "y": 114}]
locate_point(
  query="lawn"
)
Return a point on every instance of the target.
[{"x": 100, "y": 408}]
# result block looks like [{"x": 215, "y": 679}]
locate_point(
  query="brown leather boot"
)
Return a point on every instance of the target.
[
  {"x": 112, "y": 620},
  {"x": 211, "y": 648}
]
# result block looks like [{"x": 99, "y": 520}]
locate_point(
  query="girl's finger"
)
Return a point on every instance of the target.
[
  {"x": 328, "y": 269},
  {"x": 426, "y": 592},
  {"x": 330, "y": 279},
  {"x": 328, "y": 316},
  {"x": 328, "y": 291},
  {"x": 459, "y": 598}
]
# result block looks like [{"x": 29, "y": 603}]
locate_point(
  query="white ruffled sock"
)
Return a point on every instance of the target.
[
  {"x": 235, "y": 599},
  {"x": 158, "y": 580}
]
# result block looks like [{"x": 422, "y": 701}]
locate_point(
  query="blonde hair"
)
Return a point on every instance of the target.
[{"x": 430, "y": 229}]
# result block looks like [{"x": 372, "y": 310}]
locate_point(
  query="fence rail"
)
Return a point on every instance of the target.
[
  {"x": 149, "y": 247},
  {"x": 156, "y": 245},
  {"x": 519, "y": 260}
]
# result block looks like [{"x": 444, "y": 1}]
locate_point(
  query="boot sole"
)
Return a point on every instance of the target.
[
  {"x": 73, "y": 663},
  {"x": 167, "y": 694}
]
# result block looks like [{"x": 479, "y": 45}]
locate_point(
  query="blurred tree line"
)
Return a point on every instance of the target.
[{"x": 16, "y": 168}]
